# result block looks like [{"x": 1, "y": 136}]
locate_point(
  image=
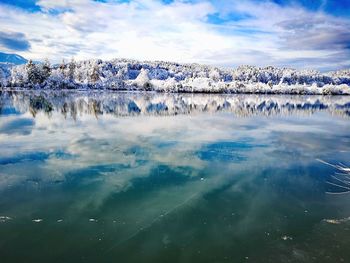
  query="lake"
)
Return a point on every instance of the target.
[{"x": 146, "y": 177}]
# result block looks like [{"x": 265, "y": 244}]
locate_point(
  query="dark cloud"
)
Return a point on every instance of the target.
[
  {"x": 315, "y": 34},
  {"x": 14, "y": 40}
]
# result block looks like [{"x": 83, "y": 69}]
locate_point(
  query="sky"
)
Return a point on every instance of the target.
[{"x": 284, "y": 33}]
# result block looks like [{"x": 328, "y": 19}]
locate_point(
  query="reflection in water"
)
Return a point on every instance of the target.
[
  {"x": 178, "y": 178},
  {"x": 131, "y": 104}
]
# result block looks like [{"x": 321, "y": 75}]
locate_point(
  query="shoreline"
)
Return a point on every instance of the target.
[{"x": 295, "y": 92}]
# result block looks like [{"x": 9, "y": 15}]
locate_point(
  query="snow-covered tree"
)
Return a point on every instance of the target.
[
  {"x": 175, "y": 77},
  {"x": 34, "y": 74},
  {"x": 95, "y": 72},
  {"x": 71, "y": 70},
  {"x": 46, "y": 69}
]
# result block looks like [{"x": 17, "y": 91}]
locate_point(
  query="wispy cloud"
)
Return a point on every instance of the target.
[{"x": 226, "y": 33}]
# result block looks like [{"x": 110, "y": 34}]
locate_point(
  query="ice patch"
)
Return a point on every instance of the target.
[
  {"x": 336, "y": 221},
  {"x": 4, "y": 219},
  {"x": 285, "y": 238}
]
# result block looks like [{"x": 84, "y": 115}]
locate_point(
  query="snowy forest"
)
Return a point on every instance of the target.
[{"x": 124, "y": 74}]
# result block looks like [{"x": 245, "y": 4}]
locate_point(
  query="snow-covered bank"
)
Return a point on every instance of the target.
[{"x": 124, "y": 74}]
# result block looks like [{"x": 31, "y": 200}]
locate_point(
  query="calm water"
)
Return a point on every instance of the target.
[{"x": 130, "y": 177}]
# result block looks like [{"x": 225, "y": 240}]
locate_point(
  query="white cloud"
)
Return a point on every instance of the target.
[{"x": 152, "y": 30}]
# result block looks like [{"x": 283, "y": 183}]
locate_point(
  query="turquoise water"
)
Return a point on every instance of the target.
[{"x": 132, "y": 177}]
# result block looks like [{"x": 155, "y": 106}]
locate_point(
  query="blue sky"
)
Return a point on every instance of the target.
[{"x": 291, "y": 33}]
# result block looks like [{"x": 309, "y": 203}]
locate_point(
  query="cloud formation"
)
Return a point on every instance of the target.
[
  {"x": 14, "y": 41},
  {"x": 223, "y": 33}
]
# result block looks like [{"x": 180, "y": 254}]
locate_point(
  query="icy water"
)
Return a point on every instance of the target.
[{"x": 132, "y": 177}]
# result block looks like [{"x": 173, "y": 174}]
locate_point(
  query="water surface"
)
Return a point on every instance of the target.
[{"x": 147, "y": 177}]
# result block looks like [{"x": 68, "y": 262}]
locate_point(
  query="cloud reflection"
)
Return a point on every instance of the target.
[{"x": 90, "y": 155}]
